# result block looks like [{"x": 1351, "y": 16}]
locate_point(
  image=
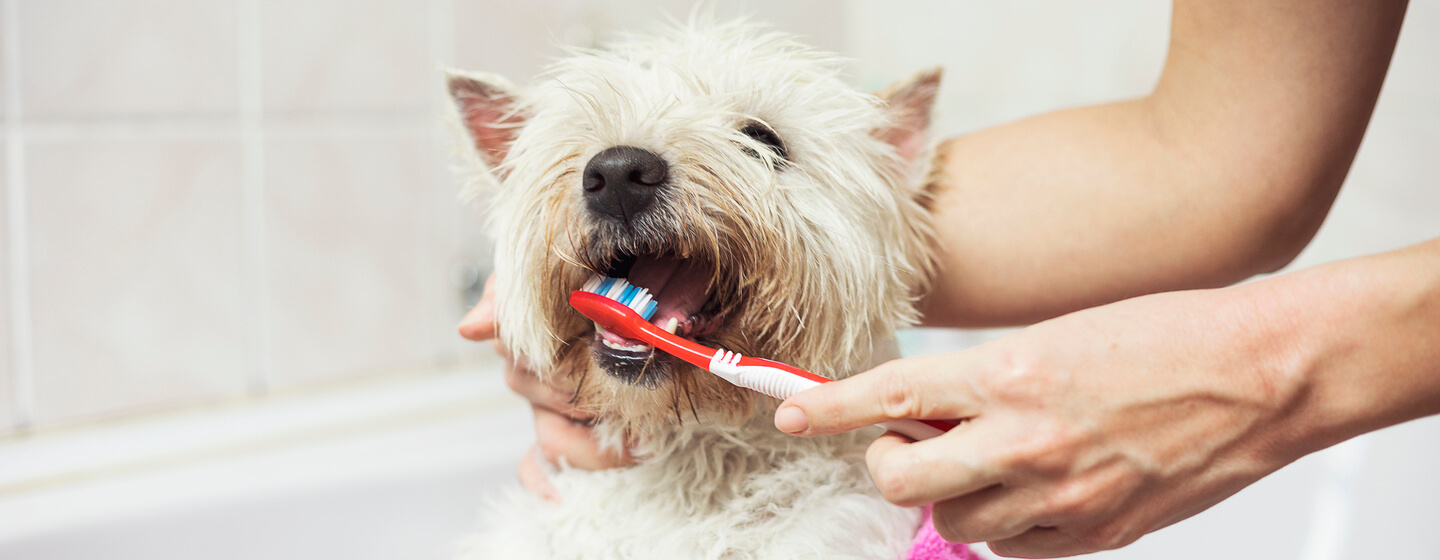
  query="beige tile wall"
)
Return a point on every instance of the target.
[
  {"x": 354, "y": 285},
  {"x": 146, "y": 58},
  {"x": 237, "y": 196},
  {"x": 136, "y": 292},
  {"x": 342, "y": 56},
  {"x": 173, "y": 259},
  {"x": 1008, "y": 60}
]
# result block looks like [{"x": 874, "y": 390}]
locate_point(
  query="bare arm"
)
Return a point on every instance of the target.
[{"x": 1226, "y": 170}]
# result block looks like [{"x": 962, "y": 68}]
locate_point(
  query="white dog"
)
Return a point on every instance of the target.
[{"x": 774, "y": 212}]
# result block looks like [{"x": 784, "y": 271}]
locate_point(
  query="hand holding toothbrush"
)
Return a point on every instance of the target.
[
  {"x": 1087, "y": 431},
  {"x": 560, "y": 430}
]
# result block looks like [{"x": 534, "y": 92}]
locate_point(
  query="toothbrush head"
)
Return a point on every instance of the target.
[{"x": 636, "y": 298}]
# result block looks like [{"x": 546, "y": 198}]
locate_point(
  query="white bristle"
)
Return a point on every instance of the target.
[
  {"x": 617, "y": 289},
  {"x": 592, "y": 284},
  {"x": 641, "y": 300}
]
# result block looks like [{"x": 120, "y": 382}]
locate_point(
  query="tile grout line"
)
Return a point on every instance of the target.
[
  {"x": 252, "y": 186},
  {"x": 21, "y": 336}
]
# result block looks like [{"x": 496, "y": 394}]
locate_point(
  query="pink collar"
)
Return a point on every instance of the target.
[{"x": 929, "y": 546}]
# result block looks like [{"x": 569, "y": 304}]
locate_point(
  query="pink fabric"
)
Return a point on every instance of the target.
[{"x": 929, "y": 546}]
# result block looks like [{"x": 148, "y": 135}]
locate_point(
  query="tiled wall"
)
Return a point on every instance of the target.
[{"x": 230, "y": 197}]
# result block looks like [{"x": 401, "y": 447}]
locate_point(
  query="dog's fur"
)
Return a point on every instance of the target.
[{"x": 815, "y": 255}]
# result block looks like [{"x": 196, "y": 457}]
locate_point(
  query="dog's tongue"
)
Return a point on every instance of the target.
[{"x": 680, "y": 286}]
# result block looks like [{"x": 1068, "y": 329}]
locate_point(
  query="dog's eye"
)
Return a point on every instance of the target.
[{"x": 762, "y": 134}]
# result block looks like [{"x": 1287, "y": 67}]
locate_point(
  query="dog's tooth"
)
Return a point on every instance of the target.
[
  {"x": 671, "y": 325},
  {"x": 626, "y": 347}
]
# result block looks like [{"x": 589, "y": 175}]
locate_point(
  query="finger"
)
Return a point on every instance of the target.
[
  {"x": 479, "y": 323},
  {"x": 941, "y": 468},
  {"x": 1041, "y": 542},
  {"x": 561, "y": 438},
  {"x": 927, "y": 387},
  {"x": 532, "y": 476},
  {"x": 994, "y": 513},
  {"x": 553, "y": 395}
]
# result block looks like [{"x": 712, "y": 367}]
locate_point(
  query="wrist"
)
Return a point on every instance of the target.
[{"x": 1351, "y": 345}]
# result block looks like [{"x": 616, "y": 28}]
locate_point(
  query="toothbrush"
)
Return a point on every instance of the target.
[{"x": 624, "y": 309}]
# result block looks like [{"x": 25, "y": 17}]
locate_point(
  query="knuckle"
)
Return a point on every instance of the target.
[
  {"x": 1023, "y": 378},
  {"x": 1043, "y": 449},
  {"x": 899, "y": 397},
  {"x": 1069, "y": 501},
  {"x": 1107, "y": 536},
  {"x": 1006, "y": 549},
  {"x": 892, "y": 480}
]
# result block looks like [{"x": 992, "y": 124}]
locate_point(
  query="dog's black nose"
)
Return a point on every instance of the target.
[{"x": 623, "y": 181}]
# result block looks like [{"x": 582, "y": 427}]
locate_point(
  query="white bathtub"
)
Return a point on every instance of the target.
[{"x": 388, "y": 470}]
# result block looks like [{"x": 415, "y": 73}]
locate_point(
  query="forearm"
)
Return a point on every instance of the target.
[
  {"x": 1224, "y": 171},
  {"x": 1357, "y": 344}
]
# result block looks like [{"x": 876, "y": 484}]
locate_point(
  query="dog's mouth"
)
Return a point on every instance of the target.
[{"x": 686, "y": 305}]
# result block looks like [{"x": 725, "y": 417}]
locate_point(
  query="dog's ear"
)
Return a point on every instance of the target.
[
  {"x": 909, "y": 103},
  {"x": 488, "y": 111}
]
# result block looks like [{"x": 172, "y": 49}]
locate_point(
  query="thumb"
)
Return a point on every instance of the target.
[
  {"x": 926, "y": 387},
  {"x": 479, "y": 323}
]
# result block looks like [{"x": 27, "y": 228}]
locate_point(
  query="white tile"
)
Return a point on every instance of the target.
[
  {"x": 1005, "y": 61},
  {"x": 146, "y": 57},
  {"x": 136, "y": 278},
  {"x": 513, "y": 39},
  {"x": 345, "y": 55},
  {"x": 356, "y": 284},
  {"x": 819, "y": 23},
  {"x": 516, "y": 39}
]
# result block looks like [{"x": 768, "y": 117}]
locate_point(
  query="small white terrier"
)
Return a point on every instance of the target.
[{"x": 773, "y": 212}]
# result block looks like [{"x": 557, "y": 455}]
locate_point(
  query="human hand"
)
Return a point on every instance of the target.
[
  {"x": 561, "y": 430},
  {"x": 1084, "y": 432}
]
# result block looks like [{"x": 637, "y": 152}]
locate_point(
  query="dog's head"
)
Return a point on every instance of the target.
[{"x": 771, "y": 210}]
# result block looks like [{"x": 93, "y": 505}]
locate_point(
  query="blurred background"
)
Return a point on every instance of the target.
[{"x": 234, "y": 257}]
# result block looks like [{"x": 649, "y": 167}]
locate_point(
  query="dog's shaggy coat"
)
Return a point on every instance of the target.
[{"x": 814, "y": 236}]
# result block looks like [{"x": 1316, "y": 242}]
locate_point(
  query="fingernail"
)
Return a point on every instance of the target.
[{"x": 791, "y": 420}]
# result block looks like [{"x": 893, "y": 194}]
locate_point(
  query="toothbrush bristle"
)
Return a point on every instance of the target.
[{"x": 629, "y": 295}]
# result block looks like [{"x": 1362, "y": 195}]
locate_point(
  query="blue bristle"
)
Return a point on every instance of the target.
[
  {"x": 649, "y": 310},
  {"x": 605, "y": 286},
  {"x": 626, "y": 295}
]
